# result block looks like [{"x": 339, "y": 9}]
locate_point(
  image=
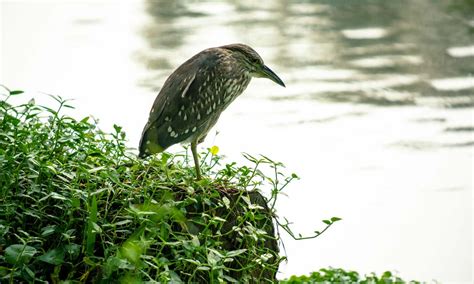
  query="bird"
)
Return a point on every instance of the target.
[{"x": 196, "y": 93}]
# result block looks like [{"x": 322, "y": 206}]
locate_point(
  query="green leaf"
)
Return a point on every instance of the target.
[
  {"x": 123, "y": 222},
  {"x": 164, "y": 158},
  {"x": 85, "y": 119},
  {"x": 16, "y": 92},
  {"x": 19, "y": 254},
  {"x": 3, "y": 230},
  {"x": 246, "y": 199},
  {"x": 114, "y": 263},
  {"x": 230, "y": 279},
  {"x": 96, "y": 169},
  {"x": 255, "y": 206},
  {"x": 132, "y": 251},
  {"x": 48, "y": 230},
  {"x": 117, "y": 128},
  {"x": 195, "y": 241},
  {"x": 96, "y": 228},
  {"x": 72, "y": 249},
  {"x": 195, "y": 262},
  {"x": 28, "y": 274},
  {"x": 235, "y": 252},
  {"x": 174, "y": 277},
  {"x": 219, "y": 219},
  {"x": 91, "y": 233},
  {"x": 226, "y": 202},
  {"x": 54, "y": 256},
  {"x": 327, "y": 222},
  {"x": 58, "y": 196},
  {"x": 213, "y": 257},
  {"x": 335, "y": 219},
  {"x": 266, "y": 256}
]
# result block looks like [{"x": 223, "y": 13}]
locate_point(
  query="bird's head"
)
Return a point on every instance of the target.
[{"x": 252, "y": 62}]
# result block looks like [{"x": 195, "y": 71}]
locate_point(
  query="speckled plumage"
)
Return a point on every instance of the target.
[
  {"x": 191, "y": 101},
  {"x": 195, "y": 94}
]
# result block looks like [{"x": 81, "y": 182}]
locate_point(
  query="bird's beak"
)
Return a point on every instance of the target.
[{"x": 268, "y": 73}]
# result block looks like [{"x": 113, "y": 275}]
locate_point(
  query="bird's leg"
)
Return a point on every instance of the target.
[{"x": 196, "y": 159}]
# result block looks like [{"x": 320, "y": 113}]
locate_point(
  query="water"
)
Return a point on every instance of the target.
[{"x": 377, "y": 116}]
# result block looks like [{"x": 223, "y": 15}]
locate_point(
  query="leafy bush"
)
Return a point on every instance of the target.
[
  {"x": 76, "y": 204},
  {"x": 339, "y": 275}
]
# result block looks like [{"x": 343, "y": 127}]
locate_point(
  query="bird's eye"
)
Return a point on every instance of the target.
[{"x": 255, "y": 61}]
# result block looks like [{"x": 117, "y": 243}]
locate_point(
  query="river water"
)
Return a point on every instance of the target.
[{"x": 376, "y": 119}]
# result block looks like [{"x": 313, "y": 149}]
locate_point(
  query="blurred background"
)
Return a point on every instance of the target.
[{"x": 377, "y": 118}]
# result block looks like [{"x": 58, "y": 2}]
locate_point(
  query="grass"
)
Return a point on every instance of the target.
[{"x": 77, "y": 205}]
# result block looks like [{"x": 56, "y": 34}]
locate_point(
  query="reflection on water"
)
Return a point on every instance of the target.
[
  {"x": 382, "y": 52},
  {"x": 461, "y": 51},
  {"x": 367, "y": 33},
  {"x": 377, "y": 116},
  {"x": 453, "y": 84}
]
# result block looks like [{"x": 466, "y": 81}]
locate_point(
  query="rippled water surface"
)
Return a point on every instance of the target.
[{"x": 377, "y": 116}]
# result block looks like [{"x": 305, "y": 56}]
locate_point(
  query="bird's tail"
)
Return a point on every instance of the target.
[{"x": 149, "y": 143}]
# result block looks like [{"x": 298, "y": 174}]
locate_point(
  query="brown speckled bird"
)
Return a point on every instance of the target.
[{"x": 194, "y": 96}]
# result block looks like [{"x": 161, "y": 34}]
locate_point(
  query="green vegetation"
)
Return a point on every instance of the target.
[
  {"x": 76, "y": 204},
  {"x": 338, "y": 275}
]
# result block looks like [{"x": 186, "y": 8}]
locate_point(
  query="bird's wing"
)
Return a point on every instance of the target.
[
  {"x": 175, "y": 108},
  {"x": 168, "y": 100},
  {"x": 178, "y": 90},
  {"x": 163, "y": 107}
]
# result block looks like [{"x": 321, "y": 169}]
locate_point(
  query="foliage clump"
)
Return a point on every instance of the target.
[
  {"x": 76, "y": 204},
  {"x": 339, "y": 275}
]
